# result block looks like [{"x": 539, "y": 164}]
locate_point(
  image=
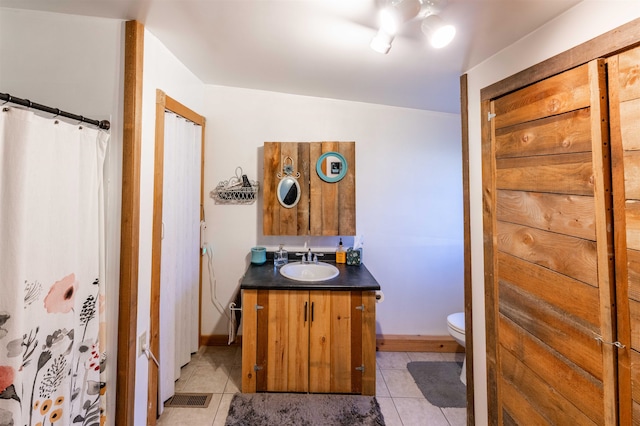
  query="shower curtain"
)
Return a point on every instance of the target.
[
  {"x": 180, "y": 264},
  {"x": 51, "y": 271}
]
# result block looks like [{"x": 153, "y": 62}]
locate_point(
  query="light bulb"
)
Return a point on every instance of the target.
[
  {"x": 381, "y": 43},
  {"x": 439, "y": 33},
  {"x": 389, "y": 20}
]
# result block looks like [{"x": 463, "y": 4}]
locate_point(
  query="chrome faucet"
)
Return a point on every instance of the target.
[{"x": 309, "y": 256}]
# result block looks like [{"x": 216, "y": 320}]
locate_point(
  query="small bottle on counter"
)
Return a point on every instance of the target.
[
  {"x": 280, "y": 257},
  {"x": 341, "y": 254}
]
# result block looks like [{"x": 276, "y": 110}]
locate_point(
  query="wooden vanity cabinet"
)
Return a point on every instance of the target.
[{"x": 308, "y": 341}]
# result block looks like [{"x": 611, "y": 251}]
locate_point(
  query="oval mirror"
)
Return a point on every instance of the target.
[
  {"x": 288, "y": 192},
  {"x": 331, "y": 167}
]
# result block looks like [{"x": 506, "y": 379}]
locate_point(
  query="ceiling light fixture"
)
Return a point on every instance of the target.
[{"x": 397, "y": 12}]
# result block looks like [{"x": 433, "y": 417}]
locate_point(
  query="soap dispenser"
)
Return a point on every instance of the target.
[
  {"x": 341, "y": 254},
  {"x": 280, "y": 257}
]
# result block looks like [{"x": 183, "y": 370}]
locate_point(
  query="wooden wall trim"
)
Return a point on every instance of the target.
[
  {"x": 156, "y": 257},
  {"x": 129, "y": 240},
  {"x": 607, "y": 44},
  {"x": 623, "y": 323},
  {"x": 489, "y": 234},
  {"x": 384, "y": 343},
  {"x": 468, "y": 289},
  {"x": 411, "y": 343}
]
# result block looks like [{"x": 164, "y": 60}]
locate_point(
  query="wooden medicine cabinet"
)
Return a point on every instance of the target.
[{"x": 309, "y": 188}]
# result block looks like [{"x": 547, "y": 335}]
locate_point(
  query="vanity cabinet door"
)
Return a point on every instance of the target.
[
  {"x": 334, "y": 343},
  {"x": 284, "y": 342}
]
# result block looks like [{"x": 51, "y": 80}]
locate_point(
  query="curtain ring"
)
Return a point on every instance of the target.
[
  {"x": 57, "y": 112},
  {"x": 30, "y": 103},
  {"x": 81, "y": 120},
  {"x": 7, "y": 101}
]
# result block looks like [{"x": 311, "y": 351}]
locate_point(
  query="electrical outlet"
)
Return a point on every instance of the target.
[{"x": 142, "y": 343}]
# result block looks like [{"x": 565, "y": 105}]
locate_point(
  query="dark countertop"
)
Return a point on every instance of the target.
[{"x": 268, "y": 277}]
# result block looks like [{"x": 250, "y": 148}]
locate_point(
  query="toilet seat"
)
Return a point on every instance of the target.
[
  {"x": 455, "y": 325},
  {"x": 456, "y": 322}
]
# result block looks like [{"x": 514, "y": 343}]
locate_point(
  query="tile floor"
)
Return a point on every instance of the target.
[{"x": 217, "y": 369}]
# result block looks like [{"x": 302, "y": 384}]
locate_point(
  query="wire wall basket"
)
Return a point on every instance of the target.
[{"x": 237, "y": 190}]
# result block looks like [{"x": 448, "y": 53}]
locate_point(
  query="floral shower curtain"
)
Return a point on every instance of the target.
[{"x": 51, "y": 271}]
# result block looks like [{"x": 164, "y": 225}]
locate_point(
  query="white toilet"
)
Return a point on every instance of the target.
[{"x": 455, "y": 326}]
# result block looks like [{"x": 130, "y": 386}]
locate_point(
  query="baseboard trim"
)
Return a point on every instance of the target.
[
  {"x": 413, "y": 343},
  {"x": 384, "y": 343},
  {"x": 219, "y": 340}
]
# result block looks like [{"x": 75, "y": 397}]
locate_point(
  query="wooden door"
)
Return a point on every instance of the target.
[
  {"x": 548, "y": 253},
  {"x": 283, "y": 342},
  {"x": 335, "y": 342},
  {"x": 624, "y": 101}
]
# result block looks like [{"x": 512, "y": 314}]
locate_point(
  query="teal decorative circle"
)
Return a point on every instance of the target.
[{"x": 339, "y": 176}]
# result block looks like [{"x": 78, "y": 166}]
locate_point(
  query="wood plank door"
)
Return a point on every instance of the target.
[
  {"x": 335, "y": 342},
  {"x": 548, "y": 253},
  {"x": 283, "y": 342},
  {"x": 624, "y": 101}
]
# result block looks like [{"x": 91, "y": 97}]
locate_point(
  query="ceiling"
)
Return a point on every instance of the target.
[{"x": 321, "y": 47}]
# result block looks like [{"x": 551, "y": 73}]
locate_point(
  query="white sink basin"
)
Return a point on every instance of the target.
[{"x": 309, "y": 272}]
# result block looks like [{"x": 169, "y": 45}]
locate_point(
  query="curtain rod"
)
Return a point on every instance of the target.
[{"x": 103, "y": 124}]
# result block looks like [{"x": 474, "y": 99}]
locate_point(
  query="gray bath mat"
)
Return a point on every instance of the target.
[
  {"x": 440, "y": 382},
  {"x": 284, "y": 409}
]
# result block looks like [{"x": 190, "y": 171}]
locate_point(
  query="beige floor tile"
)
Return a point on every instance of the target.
[
  {"x": 207, "y": 378},
  {"x": 235, "y": 380},
  {"x": 223, "y": 409},
  {"x": 185, "y": 374},
  {"x": 453, "y": 356},
  {"x": 418, "y": 411},
  {"x": 163, "y": 420},
  {"x": 388, "y": 409},
  {"x": 401, "y": 384},
  {"x": 237, "y": 361},
  {"x": 381, "y": 386},
  {"x": 456, "y": 416},
  {"x": 386, "y": 360},
  {"x": 218, "y": 355},
  {"x": 426, "y": 356}
]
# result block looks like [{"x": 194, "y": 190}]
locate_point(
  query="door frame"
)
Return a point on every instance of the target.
[
  {"x": 468, "y": 295},
  {"x": 166, "y": 103},
  {"x": 125, "y": 385}
]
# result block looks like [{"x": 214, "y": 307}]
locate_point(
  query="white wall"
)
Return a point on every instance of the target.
[
  {"x": 161, "y": 70},
  {"x": 578, "y": 25},
  {"x": 75, "y": 64},
  {"x": 408, "y": 198}
]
